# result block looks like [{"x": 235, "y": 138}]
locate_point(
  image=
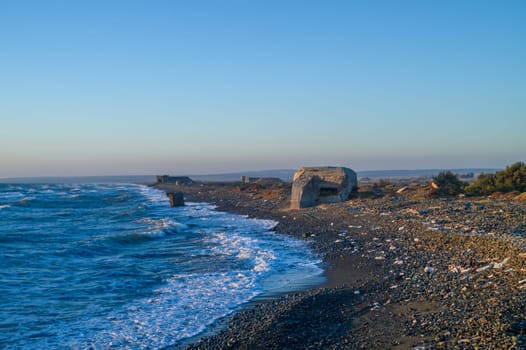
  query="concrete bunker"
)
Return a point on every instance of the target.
[{"x": 316, "y": 185}]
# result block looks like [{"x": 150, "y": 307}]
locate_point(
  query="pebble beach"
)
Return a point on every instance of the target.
[{"x": 404, "y": 271}]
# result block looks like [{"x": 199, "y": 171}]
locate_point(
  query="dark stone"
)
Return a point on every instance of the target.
[{"x": 176, "y": 199}]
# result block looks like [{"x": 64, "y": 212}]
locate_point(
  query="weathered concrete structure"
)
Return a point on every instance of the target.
[
  {"x": 176, "y": 199},
  {"x": 178, "y": 180},
  {"x": 317, "y": 185}
]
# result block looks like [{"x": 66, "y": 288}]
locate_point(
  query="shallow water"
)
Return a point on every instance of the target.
[{"x": 112, "y": 266}]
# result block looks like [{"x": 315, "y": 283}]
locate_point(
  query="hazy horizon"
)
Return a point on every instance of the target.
[
  {"x": 207, "y": 87},
  {"x": 284, "y": 174}
]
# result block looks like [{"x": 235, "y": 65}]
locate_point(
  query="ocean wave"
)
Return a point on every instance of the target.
[
  {"x": 153, "y": 195},
  {"x": 207, "y": 297},
  {"x": 136, "y": 237},
  {"x": 163, "y": 224},
  {"x": 262, "y": 261},
  {"x": 161, "y": 275},
  {"x": 267, "y": 225},
  {"x": 155, "y": 229},
  {"x": 243, "y": 248},
  {"x": 71, "y": 196},
  {"x": 25, "y": 200},
  {"x": 12, "y": 195}
]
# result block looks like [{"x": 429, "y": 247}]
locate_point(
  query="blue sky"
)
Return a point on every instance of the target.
[{"x": 144, "y": 87}]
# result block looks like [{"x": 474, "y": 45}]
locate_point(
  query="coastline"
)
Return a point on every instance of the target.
[{"x": 387, "y": 260}]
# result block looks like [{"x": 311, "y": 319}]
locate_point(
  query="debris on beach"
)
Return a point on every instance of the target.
[
  {"x": 402, "y": 190},
  {"x": 428, "y": 269},
  {"x": 376, "y": 306},
  {"x": 461, "y": 270}
]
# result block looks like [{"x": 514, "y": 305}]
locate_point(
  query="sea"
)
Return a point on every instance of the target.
[{"x": 112, "y": 266}]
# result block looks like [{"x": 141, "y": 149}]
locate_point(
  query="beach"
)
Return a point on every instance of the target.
[
  {"x": 403, "y": 270},
  {"x": 263, "y": 175}
]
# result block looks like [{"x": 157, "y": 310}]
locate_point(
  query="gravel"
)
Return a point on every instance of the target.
[{"x": 404, "y": 271}]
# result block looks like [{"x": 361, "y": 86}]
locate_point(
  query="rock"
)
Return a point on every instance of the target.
[
  {"x": 428, "y": 269},
  {"x": 313, "y": 186},
  {"x": 176, "y": 199},
  {"x": 402, "y": 190}
]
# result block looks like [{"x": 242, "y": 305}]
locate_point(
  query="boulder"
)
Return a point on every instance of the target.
[
  {"x": 176, "y": 199},
  {"x": 316, "y": 185}
]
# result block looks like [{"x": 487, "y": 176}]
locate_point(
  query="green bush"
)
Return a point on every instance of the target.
[
  {"x": 513, "y": 178},
  {"x": 448, "y": 183}
]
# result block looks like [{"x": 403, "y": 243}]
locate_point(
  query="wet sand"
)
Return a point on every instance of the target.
[{"x": 404, "y": 271}]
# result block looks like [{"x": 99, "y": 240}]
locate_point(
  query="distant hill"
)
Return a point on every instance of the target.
[
  {"x": 284, "y": 174},
  {"x": 288, "y": 174}
]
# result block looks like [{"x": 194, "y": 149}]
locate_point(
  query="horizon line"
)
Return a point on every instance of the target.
[{"x": 236, "y": 172}]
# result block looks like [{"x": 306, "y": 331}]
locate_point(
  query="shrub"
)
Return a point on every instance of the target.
[
  {"x": 448, "y": 183},
  {"x": 484, "y": 185},
  {"x": 513, "y": 178}
]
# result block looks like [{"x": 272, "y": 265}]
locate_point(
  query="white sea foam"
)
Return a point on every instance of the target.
[
  {"x": 158, "y": 223},
  {"x": 267, "y": 225},
  {"x": 187, "y": 303},
  {"x": 185, "y": 306},
  {"x": 158, "y": 227},
  {"x": 12, "y": 195},
  {"x": 154, "y": 195},
  {"x": 3, "y": 206}
]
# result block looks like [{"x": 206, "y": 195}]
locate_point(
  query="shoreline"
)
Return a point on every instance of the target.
[{"x": 389, "y": 283}]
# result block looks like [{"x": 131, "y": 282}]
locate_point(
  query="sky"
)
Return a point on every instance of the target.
[{"x": 193, "y": 87}]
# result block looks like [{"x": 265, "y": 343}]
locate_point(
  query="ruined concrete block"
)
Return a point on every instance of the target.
[
  {"x": 178, "y": 180},
  {"x": 176, "y": 199},
  {"x": 316, "y": 185}
]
